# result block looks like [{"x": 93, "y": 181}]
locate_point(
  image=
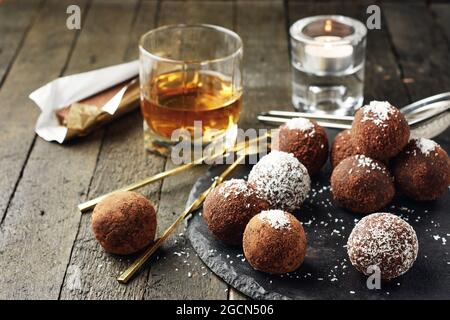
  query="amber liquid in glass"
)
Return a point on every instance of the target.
[{"x": 175, "y": 100}]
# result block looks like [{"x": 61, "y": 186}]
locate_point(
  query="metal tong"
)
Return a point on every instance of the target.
[{"x": 427, "y": 117}]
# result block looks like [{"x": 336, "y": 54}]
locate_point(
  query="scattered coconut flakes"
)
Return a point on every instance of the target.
[
  {"x": 300, "y": 124},
  {"x": 278, "y": 219},
  {"x": 235, "y": 188},
  {"x": 378, "y": 112},
  {"x": 426, "y": 146},
  {"x": 366, "y": 162}
]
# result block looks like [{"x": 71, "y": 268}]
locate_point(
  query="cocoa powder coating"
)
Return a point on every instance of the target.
[
  {"x": 124, "y": 222},
  {"x": 379, "y": 130},
  {"x": 274, "y": 246},
  {"x": 342, "y": 147},
  {"x": 422, "y": 170},
  {"x": 308, "y": 143},
  {"x": 229, "y": 207},
  {"x": 361, "y": 184}
]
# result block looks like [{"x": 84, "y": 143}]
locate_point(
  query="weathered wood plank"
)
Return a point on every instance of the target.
[
  {"x": 122, "y": 160},
  {"x": 15, "y": 19},
  {"x": 441, "y": 11},
  {"x": 179, "y": 273},
  {"x": 31, "y": 69},
  {"x": 43, "y": 211},
  {"x": 423, "y": 50},
  {"x": 267, "y": 73},
  {"x": 233, "y": 294}
]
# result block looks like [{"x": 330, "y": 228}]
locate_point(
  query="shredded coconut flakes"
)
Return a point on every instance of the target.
[
  {"x": 278, "y": 219},
  {"x": 378, "y": 112},
  {"x": 426, "y": 146}
]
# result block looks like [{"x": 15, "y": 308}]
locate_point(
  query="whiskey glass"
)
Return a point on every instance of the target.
[{"x": 190, "y": 84}]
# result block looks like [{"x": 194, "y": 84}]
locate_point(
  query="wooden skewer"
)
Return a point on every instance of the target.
[
  {"x": 139, "y": 262},
  {"x": 88, "y": 205}
]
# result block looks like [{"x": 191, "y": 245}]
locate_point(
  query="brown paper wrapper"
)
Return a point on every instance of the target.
[{"x": 85, "y": 116}]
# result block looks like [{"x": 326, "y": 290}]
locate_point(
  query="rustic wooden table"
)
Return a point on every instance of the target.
[{"x": 47, "y": 250}]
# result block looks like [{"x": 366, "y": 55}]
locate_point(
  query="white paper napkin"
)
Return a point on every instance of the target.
[{"x": 64, "y": 91}]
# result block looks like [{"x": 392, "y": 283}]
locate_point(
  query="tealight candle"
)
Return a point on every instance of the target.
[
  {"x": 328, "y": 54},
  {"x": 325, "y": 55}
]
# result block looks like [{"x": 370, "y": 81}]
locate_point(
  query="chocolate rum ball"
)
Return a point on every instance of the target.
[
  {"x": 379, "y": 130},
  {"x": 281, "y": 179},
  {"x": 229, "y": 207},
  {"x": 306, "y": 140},
  {"x": 361, "y": 184},
  {"x": 124, "y": 222},
  {"x": 274, "y": 242},
  {"x": 383, "y": 240},
  {"x": 422, "y": 170},
  {"x": 342, "y": 147}
]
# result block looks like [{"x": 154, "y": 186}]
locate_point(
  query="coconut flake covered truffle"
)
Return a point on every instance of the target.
[
  {"x": 422, "y": 170},
  {"x": 281, "y": 179},
  {"x": 383, "y": 240},
  {"x": 379, "y": 130}
]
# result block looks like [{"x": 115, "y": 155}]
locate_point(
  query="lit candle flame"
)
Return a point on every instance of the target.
[{"x": 328, "y": 26}]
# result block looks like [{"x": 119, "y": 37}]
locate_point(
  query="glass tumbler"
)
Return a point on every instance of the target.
[{"x": 190, "y": 84}]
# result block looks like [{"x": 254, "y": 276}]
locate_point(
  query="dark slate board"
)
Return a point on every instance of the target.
[{"x": 326, "y": 272}]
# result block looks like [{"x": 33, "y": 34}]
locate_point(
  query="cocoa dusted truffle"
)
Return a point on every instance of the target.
[
  {"x": 422, "y": 170},
  {"x": 281, "y": 179},
  {"x": 383, "y": 240},
  {"x": 379, "y": 130},
  {"x": 274, "y": 242},
  {"x": 306, "y": 140},
  {"x": 361, "y": 184},
  {"x": 124, "y": 222},
  {"x": 229, "y": 207},
  {"x": 342, "y": 147}
]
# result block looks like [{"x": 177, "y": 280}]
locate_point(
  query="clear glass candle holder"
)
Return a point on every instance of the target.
[
  {"x": 190, "y": 84},
  {"x": 327, "y": 57}
]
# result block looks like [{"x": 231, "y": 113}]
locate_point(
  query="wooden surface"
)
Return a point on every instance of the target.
[{"x": 47, "y": 250}]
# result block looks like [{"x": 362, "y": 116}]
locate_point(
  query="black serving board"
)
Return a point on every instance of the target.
[{"x": 326, "y": 272}]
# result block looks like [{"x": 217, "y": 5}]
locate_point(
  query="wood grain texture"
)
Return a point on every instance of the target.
[
  {"x": 30, "y": 70},
  {"x": 121, "y": 161},
  {"x": 38, "y": 216},
  {"x": 423, "y": 51},
  {"x": 233, "y": 294},
  {"x": 267, "y": 73},
  {"x": 15, "y": 20},
  {"x": 178, "y": 273},
  {"x": 441, "y": 12}
]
